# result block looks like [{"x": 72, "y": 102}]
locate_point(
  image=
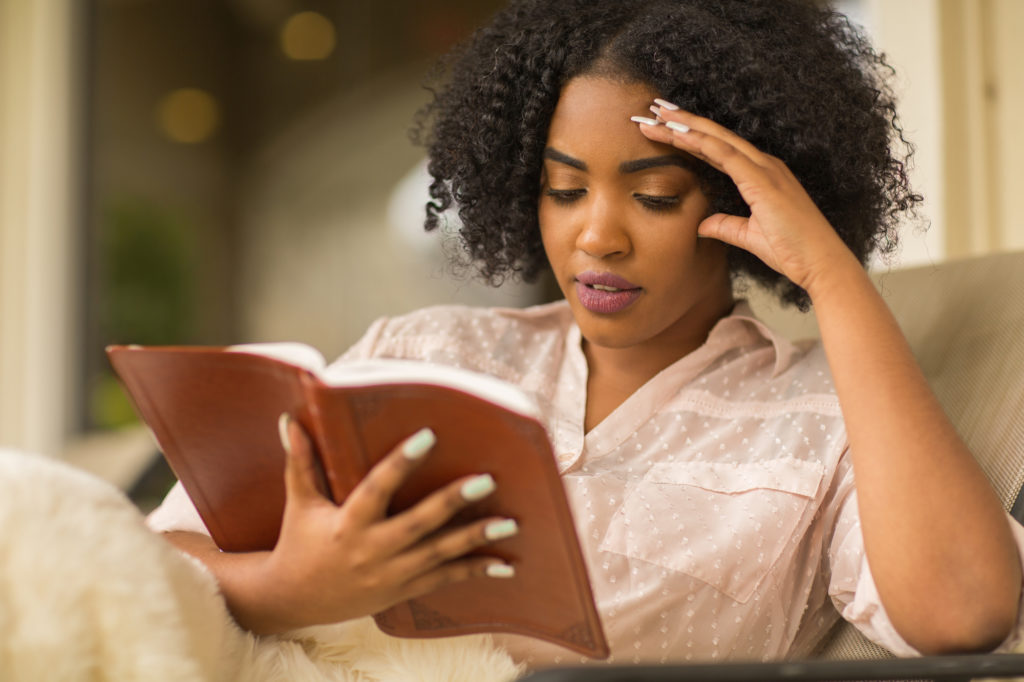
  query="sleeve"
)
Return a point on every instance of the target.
[
  {"x": 176, "y": 512},
  {"x": 853, "y": 589}
]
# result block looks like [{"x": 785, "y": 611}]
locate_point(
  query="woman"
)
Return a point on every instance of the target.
[{"x": 652, "y": 154}]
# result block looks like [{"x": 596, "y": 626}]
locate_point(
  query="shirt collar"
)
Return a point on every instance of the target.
[{"x": 741, "y": 327}]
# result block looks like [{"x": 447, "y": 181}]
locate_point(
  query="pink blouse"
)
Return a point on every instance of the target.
[{"x": 716, "y": 506}]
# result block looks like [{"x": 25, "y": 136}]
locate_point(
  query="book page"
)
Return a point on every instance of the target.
[
  {"x": 388, "y": 371},
  {"x": 294, "y": 353}
]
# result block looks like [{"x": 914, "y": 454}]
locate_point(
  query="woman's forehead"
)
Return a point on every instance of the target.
[
  {"x": 600, "y": 95},
  {"x": 592, "y": 120}
]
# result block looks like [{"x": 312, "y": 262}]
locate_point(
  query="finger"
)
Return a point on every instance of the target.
[
  {"x": 440, "y": 549},
  {"x": 730, "y": 229},
  {"x": 718, "y": 153},
  {"x": 740, "y": 232},
  {"x": 433, "y": 511},
  {"x": 455, "y": 572},
  {"x": 301, "y": 475},
  {"x": 670, "y": 112},
  {"x": 754, "y": 181},
  {"x": 370, "y": 499},
  {"x": 454, "y": 544}
]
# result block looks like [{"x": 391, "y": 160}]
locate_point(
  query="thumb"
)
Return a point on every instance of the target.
[
  {"x": 301, "y": 475},
  {"x": 731, "y": 229}
]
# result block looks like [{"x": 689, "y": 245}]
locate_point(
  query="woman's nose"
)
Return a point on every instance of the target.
[{"x": 603, "y": 232}]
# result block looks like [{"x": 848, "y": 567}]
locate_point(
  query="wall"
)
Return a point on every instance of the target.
[
  {"x": 961, "y": 102},
  {"x": 39, "y": 197}
]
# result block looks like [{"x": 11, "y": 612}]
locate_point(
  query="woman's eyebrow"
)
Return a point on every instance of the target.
[
  {"x": 625, "y": 167},
  {"x": 561, "y": 157},
  {"x": 656, "y": 161}
]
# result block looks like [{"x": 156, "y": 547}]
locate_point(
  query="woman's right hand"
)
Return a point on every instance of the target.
[{"x": 337, "y": 562}]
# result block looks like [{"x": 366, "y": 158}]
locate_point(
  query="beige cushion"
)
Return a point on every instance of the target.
[{"x": 965, "y": 321}]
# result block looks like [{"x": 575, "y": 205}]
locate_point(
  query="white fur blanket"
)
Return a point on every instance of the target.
[{"x": 88, "y": 593}]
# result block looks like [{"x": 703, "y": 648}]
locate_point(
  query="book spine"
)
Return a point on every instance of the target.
[{"x": 332, "y": 426}]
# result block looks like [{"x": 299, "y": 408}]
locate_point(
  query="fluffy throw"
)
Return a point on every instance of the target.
[{"x": 88, "y": 593}]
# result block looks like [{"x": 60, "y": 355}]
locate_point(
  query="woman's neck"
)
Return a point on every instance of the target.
[{"x": 614, "y": 374}]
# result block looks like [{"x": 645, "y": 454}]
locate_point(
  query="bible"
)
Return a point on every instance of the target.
[{"x": 214, "y": 412}]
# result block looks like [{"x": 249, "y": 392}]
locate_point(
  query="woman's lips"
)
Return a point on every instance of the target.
[{"x": 603, "y": 292}]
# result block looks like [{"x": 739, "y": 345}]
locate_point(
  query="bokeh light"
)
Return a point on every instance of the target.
[
  {"x": 188, "y": 115},
  {"x": 308, "y": 36}
]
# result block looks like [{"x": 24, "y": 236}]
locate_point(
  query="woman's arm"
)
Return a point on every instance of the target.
[
  {"x": 937, "y": 540},
  {"x": 936, "y": 537},
  {"x": 333, "y": 563}
]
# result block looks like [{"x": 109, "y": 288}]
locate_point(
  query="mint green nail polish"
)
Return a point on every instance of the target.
[
  {"x": 418, "y": 444},
  {"x": 282, "y": 432},
  {"x": 501, "y": 571},
  {"x": 499, "y": 530},
  {"x": 477, "y": 488}
]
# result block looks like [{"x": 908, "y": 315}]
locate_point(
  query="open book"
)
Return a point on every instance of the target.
[{"x": 214, "y": 413}]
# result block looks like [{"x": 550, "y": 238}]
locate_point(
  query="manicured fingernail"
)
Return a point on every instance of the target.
[
  {"x": 666, "y": 105},
  {"x": 418, "y": 444},
  {"x": 477, "y": 488},
  {"x": 501, "y": 571},
  {"x": 655, "y": 110},
  {"x": 282, "y": 431},
  {"x": 678, "y": 127},
  {"x": 499, "y": 530},
  {"x": 644, "y": 120}
]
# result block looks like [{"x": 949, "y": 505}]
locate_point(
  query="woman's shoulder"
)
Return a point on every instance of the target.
[
  {"x": 776, "y": 361},
  {"x": 481, "y": 338}
]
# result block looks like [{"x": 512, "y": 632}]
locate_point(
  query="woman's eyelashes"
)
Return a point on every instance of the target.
[
  {"x": 657, "y": 203},
  {"x": 565, "y": 196}
]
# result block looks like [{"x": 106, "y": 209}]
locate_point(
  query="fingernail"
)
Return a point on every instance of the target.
[
  {"x": 501, "y": 571},
  {"x": 477, "y": 488},
  {"x": 666, "y": 105},
  {"x": 499, "y": 530},
  {"x": 678, "y": 127},
  {"x": 655, "y": 110},
  {"x": 282, "y": 431},
  {"x": 644, "y": 120},
  {"x": 418, "y": 444}
]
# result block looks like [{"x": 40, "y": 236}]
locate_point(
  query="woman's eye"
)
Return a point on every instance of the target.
[
  {"x": 565, "y": 196},
  {"x": 656, "y": 203}
]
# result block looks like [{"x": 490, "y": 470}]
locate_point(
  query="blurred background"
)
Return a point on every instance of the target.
[{"x": 225, "y": 171}]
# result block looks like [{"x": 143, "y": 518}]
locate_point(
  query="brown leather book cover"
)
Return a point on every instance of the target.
[{"x": 214, "y": 413}]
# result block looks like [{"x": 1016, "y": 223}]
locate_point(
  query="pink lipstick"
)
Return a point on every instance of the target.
[{"x": 603, "y": 292}]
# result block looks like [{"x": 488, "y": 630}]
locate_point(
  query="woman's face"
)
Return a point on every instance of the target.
[{"x": 618, "y": 216}]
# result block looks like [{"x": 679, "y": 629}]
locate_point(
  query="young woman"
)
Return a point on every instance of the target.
[{"x": 732, "y": 490}]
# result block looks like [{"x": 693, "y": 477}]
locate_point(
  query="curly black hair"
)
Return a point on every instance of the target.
[{"x": 792, "y": 77}]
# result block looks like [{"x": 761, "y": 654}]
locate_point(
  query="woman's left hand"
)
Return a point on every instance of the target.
[{"x": 785, "y": 228}]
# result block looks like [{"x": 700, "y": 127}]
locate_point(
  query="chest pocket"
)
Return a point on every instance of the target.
[{"x": 725, "y": 524}]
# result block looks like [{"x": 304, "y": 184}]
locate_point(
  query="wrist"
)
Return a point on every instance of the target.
[
  {"x": 245, "y": 580},
  {"x": 834, "y": 278},
  {"x": 259, "y": 600}
]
